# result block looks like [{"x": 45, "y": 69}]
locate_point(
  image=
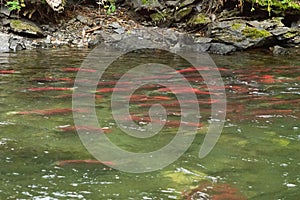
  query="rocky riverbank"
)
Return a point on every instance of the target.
[{"x": 88, "y": 27}]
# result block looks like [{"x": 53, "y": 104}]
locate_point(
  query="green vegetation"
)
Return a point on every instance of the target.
[
  {"x": 108, "y": 5},
  {"x": 144, "y": 1},
  {"x": 276, "y": 6},
  {"x": 13, "y": 5},
  {"x": 111, "y": 8},
  {"x": 199, "y": 19}
]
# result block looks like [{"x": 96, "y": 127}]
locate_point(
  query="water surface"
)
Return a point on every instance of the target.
[{"x": 256, "y": 157}]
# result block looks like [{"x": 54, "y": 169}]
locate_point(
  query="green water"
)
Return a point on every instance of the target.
[{"x": 256, "y": 157}]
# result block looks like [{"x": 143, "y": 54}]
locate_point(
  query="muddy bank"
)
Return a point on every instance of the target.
[{"x": 87, "y": 27}]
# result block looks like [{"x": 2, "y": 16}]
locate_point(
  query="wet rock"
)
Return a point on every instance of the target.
[
  {"x": 278, "y": 50},
  {"x": 240, "y": 34},
  {"x": 94, "y": 41},
  {"x": 16, "y": 44},
  {"x": 202, "y": 44},
  {"x": 129, "y": 43},
  {"x": 156, "y": 38},
  {"x": 220, "y": 48},
  {"x": 25, "y": 27},
  {"x": 4, "y": 45}
]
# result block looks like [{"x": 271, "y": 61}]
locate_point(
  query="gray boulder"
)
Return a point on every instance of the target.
[
  {"x": 240, "y": 34},
  {"x": 220, "y": 48},
  {"x": 4, "y": 45}
]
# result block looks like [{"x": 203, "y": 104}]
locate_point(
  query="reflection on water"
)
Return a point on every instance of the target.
[{"x": 256, "y": 156}]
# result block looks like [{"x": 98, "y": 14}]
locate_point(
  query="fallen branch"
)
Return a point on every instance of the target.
[{"x": 93, "y": 29}]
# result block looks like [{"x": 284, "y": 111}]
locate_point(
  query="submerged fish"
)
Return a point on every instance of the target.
[
  {"x": 37, "y": 89},
  {"x": 50, "y": 79},
  {"x": 107, "y": 90},
  {"x": 144, "y": 98},
  {"x": 83, "y": 128},
  {"x": 49, "y": 111},
  {"x": 158, "y": 77},
  {"x": 75, "y": 69},
  {"x": 8, "y": 71},
  {"x": 184, "y": 90},
  {"x": 67, "y": 162},
  {"x": 77, "y": 96},
  {"x": 168, "y": 123},
  {"x": 200, "y": 68},
  {"x": 272, "y": 112}
]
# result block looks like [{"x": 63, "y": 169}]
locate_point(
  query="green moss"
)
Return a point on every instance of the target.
[
  {"x": 157, "y": 17},
  {"x": 20, "y": 25},
  {"x": 290, "y": 34},
  {"x": 236, "y": 26},
  {"x": 199, "y": 19},
  {"x": 182, "y": 13},
  {"x": 254, "y": 33}
]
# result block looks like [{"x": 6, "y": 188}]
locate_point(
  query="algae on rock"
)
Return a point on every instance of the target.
[
  {"x": 199, "y": 19},
  {"x": 255, "y": 33},
  {"x": 25, "y": 27}
]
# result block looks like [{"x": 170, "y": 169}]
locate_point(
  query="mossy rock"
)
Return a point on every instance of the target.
[
  {"x": 157, "y": 17},
  {"x": 237, "y": 26},
  {"x": 291, "y": 34},
  {"x": 254, "y": 33},
  {"x": 25, "y": 27},
  {"x": 182, "y": 13},
  {"x": 160, "y": 17},
  {"x": 199, "y": 19}
]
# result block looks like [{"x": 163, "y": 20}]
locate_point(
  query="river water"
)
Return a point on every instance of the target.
[{"x": 256, "y": 156}]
